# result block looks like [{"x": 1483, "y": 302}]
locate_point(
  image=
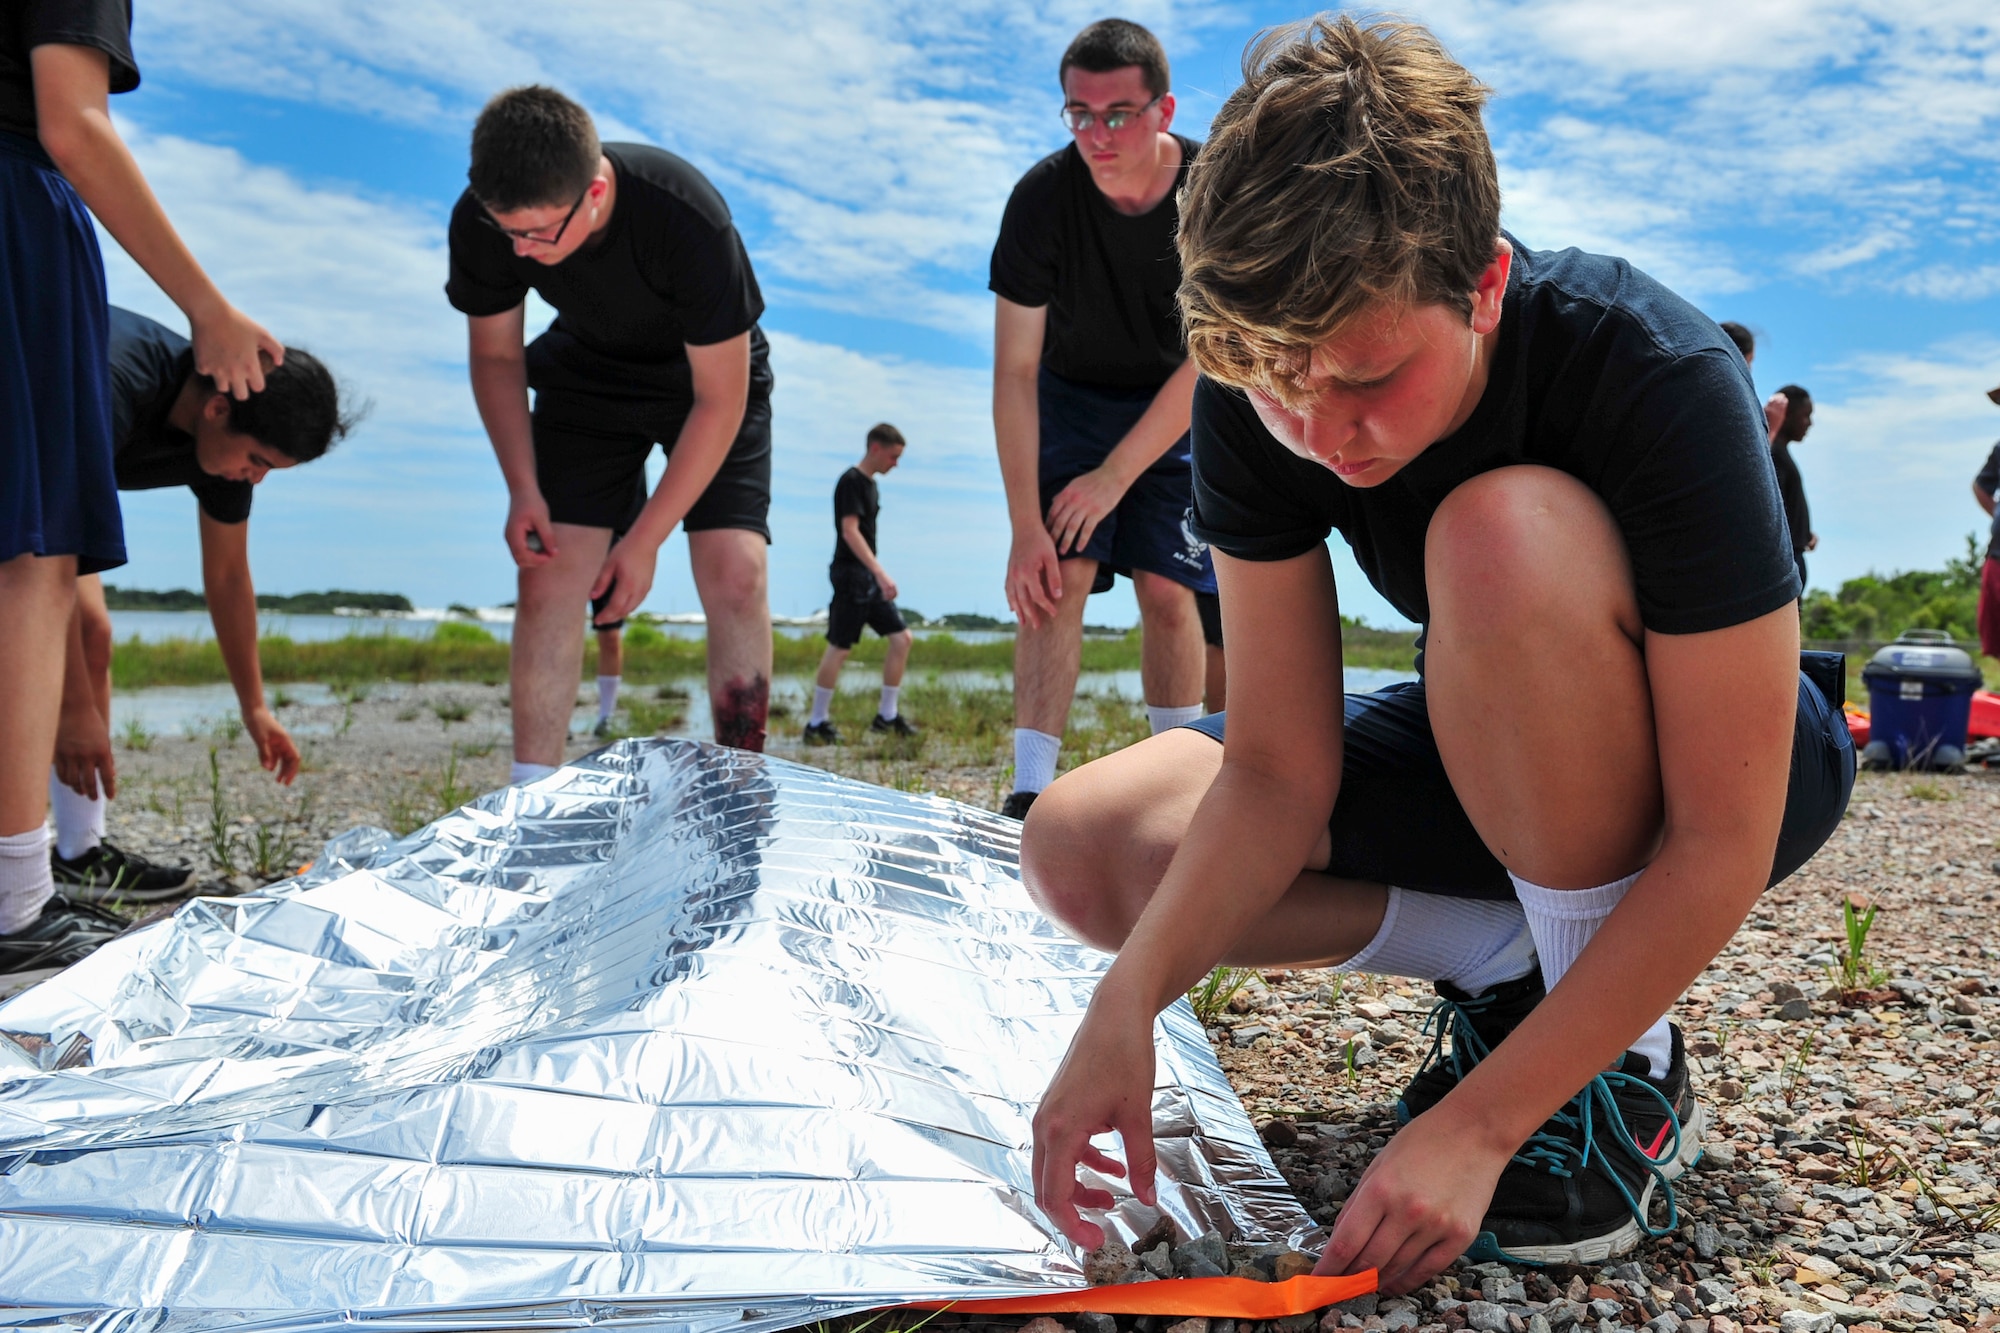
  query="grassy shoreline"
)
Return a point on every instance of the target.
[{"x": 652, "y": 659}]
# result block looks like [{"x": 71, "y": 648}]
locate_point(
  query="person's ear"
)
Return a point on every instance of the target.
[
  {"x": 1491, "y": 292},
  {"x": 215, "y": 408},
  {"x": 1166, "y": 112}
]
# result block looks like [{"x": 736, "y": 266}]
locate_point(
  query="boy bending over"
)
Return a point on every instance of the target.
[{"x": 1558, "y": 468}]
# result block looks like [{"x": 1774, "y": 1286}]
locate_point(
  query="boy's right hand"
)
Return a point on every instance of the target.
[
  {"x": 886, "y": 584},
  {"x": 84, "y": 761},
  {"x": 529, "y": 514},
  {"x": 231, "y": 349},
  {"x": 1034, "y": 577}
]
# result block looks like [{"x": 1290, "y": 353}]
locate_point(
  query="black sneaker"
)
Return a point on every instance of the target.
[
  {"x": 821, "y": 733},
  {"x": 109, "y": 873},
  {"x": 1670, "y": 1142},
  {"x": 894, "y": 726},
  {"x": 603, "y": 728},
  {"x": 1464, "y": 1030},
  {"x": 1017, "y": 803},
  {"x": 65, "y": 932},
  {"x": 1596, "y": 1179}
]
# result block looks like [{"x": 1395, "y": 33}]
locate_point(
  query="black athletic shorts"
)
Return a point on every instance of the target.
[
  {"x": 1210, "y": 607},
  {"x": 858, "y": 601},
  {"x": 590, "y": 460},
  {"x": 1397, "y": 820}
]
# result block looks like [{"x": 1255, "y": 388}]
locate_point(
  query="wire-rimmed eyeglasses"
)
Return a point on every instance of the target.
[{"x": 1081, "y": 118}]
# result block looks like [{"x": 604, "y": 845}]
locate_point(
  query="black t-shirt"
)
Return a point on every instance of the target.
[
  {"x": 26, "y": 24},
  {"x": 1599, "y": 371},
  {"x": 1107, "y": 279},
  {"x": 667, "y": 271},
  {"x": 1988, "y": 480},
  {"x": 1792, "y": 490},
  {"x": 149, "y": 364},
  {"x": 854, "y": 494}
]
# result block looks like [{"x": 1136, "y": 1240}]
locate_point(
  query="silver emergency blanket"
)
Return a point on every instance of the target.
[{"x": 677, "y": 1038}]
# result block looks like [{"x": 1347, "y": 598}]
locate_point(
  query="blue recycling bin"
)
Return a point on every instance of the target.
[{"x": 1920, "y": 692}]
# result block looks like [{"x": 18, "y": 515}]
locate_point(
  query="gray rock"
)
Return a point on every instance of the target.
[
  {"x": 1497, "y": 1271},
  {"x": 1664, "y": 1322},
  {"x": 1538, "y": 1324},
  {"x": 1486, "y": 1317},
  {"x": 1707, "y": 1240},
  {"x": 1503, "y": 1291},
  {"x": 1784, "y": 990},
  {"x": 1248, "y": 1034},
  {"x": 1566, "y": 1314},
  {"x": 1198, "y": 1267},
  {"x": 1159, "y": 1260},
  {"x": 1090, "y": 1321},
  {"x": 1208, "y": 1249},
  {"x": 1401, "y": 1321},
  {"x": 1804, "y": 1321},
  {"x": 1194, "y": 1324},
  {"x": 1795, "y": 1011},
  {"x": 1295, "y": 1323},
  {"x": 1603, "y": 1309},
  {"x": 1715, "y": 1295},
  {"x": 1361, "y": 1306}
]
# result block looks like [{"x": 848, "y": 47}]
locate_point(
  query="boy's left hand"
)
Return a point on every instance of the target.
[
  {"x": 276, "y": 750},
  {"x": 628, "y": 573},
  {"x": 1080, "y": 506},
  {"x": 1418, "y": 1206}
]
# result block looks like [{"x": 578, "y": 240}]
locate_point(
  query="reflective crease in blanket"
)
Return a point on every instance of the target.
[{"x": 678, "y": 1037}]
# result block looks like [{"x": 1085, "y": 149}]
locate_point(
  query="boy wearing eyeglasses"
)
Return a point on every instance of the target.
[
  {"x": 1091, "y": 389},
  {"x": 655, "y": 341}
]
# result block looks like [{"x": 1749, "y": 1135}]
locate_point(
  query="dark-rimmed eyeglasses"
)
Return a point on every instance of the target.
[
  {"x": 529, "y": 236},
  {"x": 1081, "y": 118}
]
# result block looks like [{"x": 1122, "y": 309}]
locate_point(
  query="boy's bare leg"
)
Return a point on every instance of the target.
[
  {"x": 830, "y": 663},
  {"x": 1215, "y": 686},
  {"x": 1536, "y": 678},
  {"x": 729, "y": 575},
  {"x": 37, "y": 594},
  {"x": 1047, "y": 658},
  {"x": 1139, "y": 802},
  {"x": 1170, "y": 651},
  {"x": 897, "y": 658},
  {"x": 611, "y": 652},
  {"x": 546, "y": 659}
]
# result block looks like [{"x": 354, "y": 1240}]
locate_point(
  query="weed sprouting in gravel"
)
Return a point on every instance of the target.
[
  {"x": 228, "y": 729},
  {"x": 1212, "y": 994},
  {"x": 414, "y": 804},
  {"x": 282, "y": 698},
  {"x": 1856, "y": 970},
  {"x": 134, "y": 736},
  {"x": 451, "y": 710},
  {"x": 1930, "y": 789},
  {"x": 652, "y": 717},
  {"x": 221, "y": 837},
  {"x": 1795, "y": 1067}
]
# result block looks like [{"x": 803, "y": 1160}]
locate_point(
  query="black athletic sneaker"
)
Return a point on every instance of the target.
[
  {"x": 1464, "y": 1030},
  {"x": 603, "y": 728},
  {"x": 894, "y": 726},
  {"x": 64, "y": 933},
  {"x": 109, "y": 873},
  {"x": 821, "y": 733},
  {"x": 1599, "y": 1175},
  {"x": 1017, "y": 803}
]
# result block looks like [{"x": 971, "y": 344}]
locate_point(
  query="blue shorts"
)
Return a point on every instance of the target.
[
  {"x": 1153, "y": 526},
  {"x": 58, "y": 493},
  {"x": 1397, "y": 820}
]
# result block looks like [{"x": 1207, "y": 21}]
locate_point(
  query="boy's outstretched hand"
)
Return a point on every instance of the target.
[
  {"x": 1418, "y": 1206},
  {"x": 1105, "y": 1082}
]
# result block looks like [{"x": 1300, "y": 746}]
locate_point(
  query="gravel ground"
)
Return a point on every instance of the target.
[{"x": 1850, "y": 1175}]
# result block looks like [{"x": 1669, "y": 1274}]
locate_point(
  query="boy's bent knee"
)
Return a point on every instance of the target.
[
  {"x": 1063, "y": 868},
  {"x": 1519, "y": 533}
]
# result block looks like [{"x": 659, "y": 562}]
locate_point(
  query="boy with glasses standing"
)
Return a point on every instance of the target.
[
  {"x": 655, "y": 341},
  {"x": 1091, "y": 387}
]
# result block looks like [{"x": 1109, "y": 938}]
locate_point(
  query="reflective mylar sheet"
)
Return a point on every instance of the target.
[{"x": 678, "y": 1037}]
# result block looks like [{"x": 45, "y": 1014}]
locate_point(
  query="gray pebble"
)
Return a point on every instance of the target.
[
  {"x": 1361, "y": 1306},
  {"x": 1486, "y": 1317},
  {"x": 1158, "y": 1260},
  {"x": 1090, "y": 1321},
  {"x": 1606, "y": 1309},
  {"x": 1804, "y": 1321},
  {"x": 1707, "y": 1240},
  {"x": 1207, "y": 1250}
]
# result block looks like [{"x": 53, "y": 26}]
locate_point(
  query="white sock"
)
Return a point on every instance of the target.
[
  {"x": 1472, "y": 943},
  {"x": 79, "y": 819},
  {"x": 1563, "y": 922},
  {"x": 822, "y": 703},
  {"x": 25, "y": 882},
  {"x": 523, "y": 771},
  {"x": 607, "y": 695},
  {"x": 888, "y": 706},
  {"x": 1034, "y": 759},
  {"x": 1166, "y": 719}
]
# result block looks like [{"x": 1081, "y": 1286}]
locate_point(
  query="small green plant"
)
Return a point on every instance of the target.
[
  {"x": 134, "y": 736},
  {"x": 1855, "y": 970},
  {"x": 451, "y": 710},
  {"x": 1796, "y": 1066},
  {"x": 1929, "y": 789},
  {"x": 458, "y": 632},
  {"x": 275, "y": 845},
  {"x": 414, "y": 804},
  {"x": 282, "y": 698},
  {"x": 221, "y": 835},
  {"x": 1353, "y": 1070},
  {"x": 1214, "y": 992},
  {"x": 1865, "y": 1167},
  {"x": 644, "y": 717},
  {"x": 346, "y": 717},
  {"x": 228, "y": 729}
]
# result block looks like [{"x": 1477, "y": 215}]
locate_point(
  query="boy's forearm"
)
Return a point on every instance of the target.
[
  {"x": 1017, "y": 433},
  {"x": 850, "y": 534},
  {"x": 500, "y": 391},
  {"x": 232, "y": 609},
  {"x": 1164, "y": 422}
]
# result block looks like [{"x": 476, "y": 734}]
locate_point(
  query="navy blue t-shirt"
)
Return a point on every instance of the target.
[
  {"x": 1599, "y": 371},
  {"x": 149, "y": 364}
]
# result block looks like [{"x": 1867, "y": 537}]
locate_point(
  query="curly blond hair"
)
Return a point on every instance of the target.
[{"x": 1351, "y": 171}]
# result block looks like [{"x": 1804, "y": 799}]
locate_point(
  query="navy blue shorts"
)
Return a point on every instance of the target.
[
  {"x": 58, "y": 493},
  {"x": 1397, "y": 820},
  {"x": 1153, "y": 526}
]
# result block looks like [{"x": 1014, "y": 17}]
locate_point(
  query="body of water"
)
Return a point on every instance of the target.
[{"x": 159, "y": 626}]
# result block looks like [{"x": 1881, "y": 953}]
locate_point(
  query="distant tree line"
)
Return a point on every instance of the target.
[
  {"x": 297, "y": 604},
  {"x": 1877, "y": 607}
]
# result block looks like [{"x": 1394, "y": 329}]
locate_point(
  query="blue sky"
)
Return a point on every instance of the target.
[{"x": 1824, "y": 172}]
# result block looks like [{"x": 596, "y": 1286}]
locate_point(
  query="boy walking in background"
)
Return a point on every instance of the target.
[
  {"x": 863, "y": 593},
  {"x": 1091, "y": 385},
  {"x": 655, "y": 342}
]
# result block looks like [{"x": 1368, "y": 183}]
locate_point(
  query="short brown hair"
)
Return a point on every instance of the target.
[
  {"x": 532, "y": 147},
  {"x": 886, "y": 435},
  {"x": 1351, "y": 170},
  {"x": 1110, "y": 44}
]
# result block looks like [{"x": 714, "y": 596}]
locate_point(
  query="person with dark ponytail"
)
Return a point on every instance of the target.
[{"x": 172, "y": 426}]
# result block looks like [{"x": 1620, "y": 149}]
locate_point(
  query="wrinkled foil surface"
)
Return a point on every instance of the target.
[{"x": 678, "y": 1037}]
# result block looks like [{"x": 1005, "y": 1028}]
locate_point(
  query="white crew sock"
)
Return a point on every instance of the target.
[
  {"x": 1470, "y": 942},
  {"x": 1034, "y": 759},
  {"x": 26, "y": 884},
  {"x": 822, "y": 704},
  {"x": 607, "y": 695},
  {"x": 79, "y": 819},
  {"x": 890, "y": 693},
  {"x": 1563, "y": 922},
  {"x": 523, "y": 771},
  {"x": 1166, "y": 719}
]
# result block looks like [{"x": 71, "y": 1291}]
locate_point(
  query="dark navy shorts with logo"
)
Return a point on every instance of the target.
[
  {"x": 1398, "y": 821},
  {"x": 1152, "y": 528}
]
